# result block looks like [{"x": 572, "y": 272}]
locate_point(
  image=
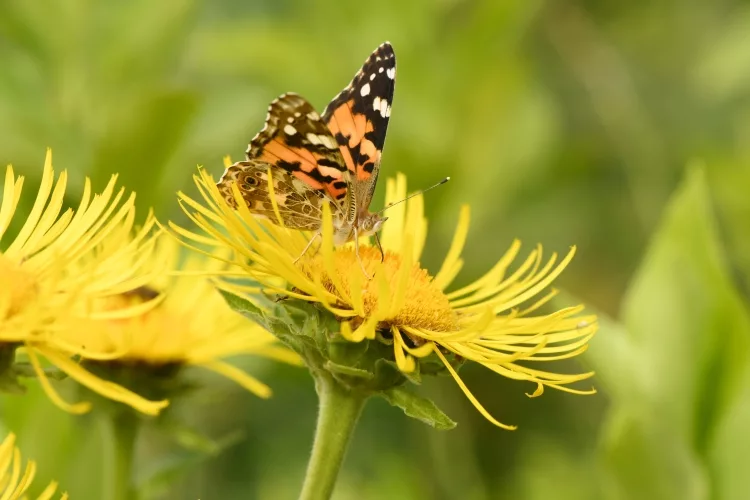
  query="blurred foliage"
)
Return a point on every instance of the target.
[{"x": 560, "y": 122}]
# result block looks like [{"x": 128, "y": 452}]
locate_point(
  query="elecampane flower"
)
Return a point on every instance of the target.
[
  {"x": 58, "y": 264},
  {"x": 493, "y": 321},
  {"x": 15, "y": 479},
  {"x": 191, "y": 326}
]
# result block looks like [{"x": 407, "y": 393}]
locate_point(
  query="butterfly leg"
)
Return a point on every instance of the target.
[
  {"x": 380, "y": 247},
  {"x": 356, "y": 250},
  {"x": 307, "y": 247}
]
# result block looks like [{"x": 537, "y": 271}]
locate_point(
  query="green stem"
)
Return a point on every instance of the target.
[
  {"x": 339, "y": 410},
  {"x": 119, "y": 438}
]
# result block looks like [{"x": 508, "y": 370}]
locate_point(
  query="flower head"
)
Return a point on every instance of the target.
[
  {"x": 14, "y": 482},
  {"x": 191, "y": 326},
  {"x": 58, "y": 264},
  {"x": 493, "y": 321}
]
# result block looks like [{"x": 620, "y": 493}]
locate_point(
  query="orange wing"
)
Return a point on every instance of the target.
[
  {"x": 358, "y": 119},
  {"x": 296, "y": 140}
]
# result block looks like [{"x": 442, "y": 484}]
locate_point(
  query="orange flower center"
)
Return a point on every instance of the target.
[{"x": 424, "y": 305}]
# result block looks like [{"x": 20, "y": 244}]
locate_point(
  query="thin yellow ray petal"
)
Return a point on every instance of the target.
[
  {"x": 416, "y": 226},
  {"x": 26, "y": 479},
  {"x": 402, "y": 277},
  {"x": 242, "y": 378},
  {"x": 9, "y": 202},
  {"x": 38, "y": 208},
  {"x": 271, "y": 196},
  {"x": 446, "y": 275},
  {"x": 404, "y": 362},
  {"x": 6, "y": 453},
  {"x": 393, "y": 229},
  {"x": 326, "y": 250},
  {"x": 422, "y": 351},
  {"x": 470, "y": 396},
  {"x": 75, "y": 408},
  {"x": 493, "y": 276},
  {"x": 48, "y": 491},
  {"x": 346, "y": 332},
  {"x": 106, "y": 388},
  {"x": 10, "y": 491},
  {"x": 490, "y": 290}
]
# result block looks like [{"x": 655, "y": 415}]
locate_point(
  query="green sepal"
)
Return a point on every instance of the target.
[
  {"x": 367, "y": 367},
  {"x": 11, "y": 370},
  {"x": 348, "y": 371},
  {"x": 418, "y": 407}
]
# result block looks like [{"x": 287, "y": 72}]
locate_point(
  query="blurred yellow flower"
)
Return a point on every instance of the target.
[
  {"x": 57, "y": 265},
  {"x": 493, "y": 321},
  {"x": 13, "y": 481},
  {"x": 192, "y": 325}
]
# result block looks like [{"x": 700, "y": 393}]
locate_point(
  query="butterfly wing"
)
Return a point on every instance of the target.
[
  {"x": 296, "y": 140},
  {"x": 300, "y": 205},
  {"x": 358, "y": 119}
]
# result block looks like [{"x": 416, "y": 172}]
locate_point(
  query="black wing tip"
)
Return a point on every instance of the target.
[{"x": 385, "y": 50}]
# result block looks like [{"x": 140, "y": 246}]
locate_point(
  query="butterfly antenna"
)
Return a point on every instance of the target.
[{"x": 421, "y": 191}]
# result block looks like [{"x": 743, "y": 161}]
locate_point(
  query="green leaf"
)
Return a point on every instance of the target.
[
  {"x": 685, "y": 317},
  {"x": 418, "y": 407},
  {"x": 723, "y": 70},
  {"x": 684, "y": 348},
  {"x": 650, "y": 461},
  {"x": 728, "y": 454}
]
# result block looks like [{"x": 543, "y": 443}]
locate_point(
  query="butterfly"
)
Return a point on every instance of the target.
[{"x": 315, "y": 159}]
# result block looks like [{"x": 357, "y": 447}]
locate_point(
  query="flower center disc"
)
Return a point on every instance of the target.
[{"x": 424, "y": 305}]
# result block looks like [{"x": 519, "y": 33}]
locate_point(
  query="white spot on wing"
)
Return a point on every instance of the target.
[
  {"x": 376, "y": 103},
  {"x": 314, "y": 139},
  {"x": 372, "y": 76},
  {"x": 328, "y": 141},
  {"x": 388, "y": 112},
  {"x": 365, "y": 90},
  {"x": 383, "y": 107},
  {"x": 313, "y": 116},
  {"x": 290, "y": 120},
  {"x": 297, "y": 114},
  {"x": 290, "y": 130},
  {"x": 391, "y": 73},
  {"x": 380, "y": 70}
]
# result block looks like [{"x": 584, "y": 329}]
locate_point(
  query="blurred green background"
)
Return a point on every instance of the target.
[{"x": 620, "y": 127}]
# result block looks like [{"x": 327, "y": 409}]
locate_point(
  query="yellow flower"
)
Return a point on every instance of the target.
[
  {"x": 192, "y": 326},
  {"x": 57, "y": 265},
  {"x": 13, "y": 481},
  {"x": 493, "y": 321}
]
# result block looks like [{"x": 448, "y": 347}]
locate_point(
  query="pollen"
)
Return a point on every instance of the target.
[{"x": 423, "y": 305}]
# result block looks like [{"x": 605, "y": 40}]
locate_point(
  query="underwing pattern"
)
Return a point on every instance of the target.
[{"x": 313, "y": 159}]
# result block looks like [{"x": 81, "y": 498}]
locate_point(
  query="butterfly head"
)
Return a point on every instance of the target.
[{"x": 370, "y": 223}]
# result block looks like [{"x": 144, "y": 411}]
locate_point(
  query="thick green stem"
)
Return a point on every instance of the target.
[
  {"x": 339, "y": 410},
  {"x": 120, "y": 434}
]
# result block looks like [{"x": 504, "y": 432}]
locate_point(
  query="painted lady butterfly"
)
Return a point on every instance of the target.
[{"x": 315, "y": 159}]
